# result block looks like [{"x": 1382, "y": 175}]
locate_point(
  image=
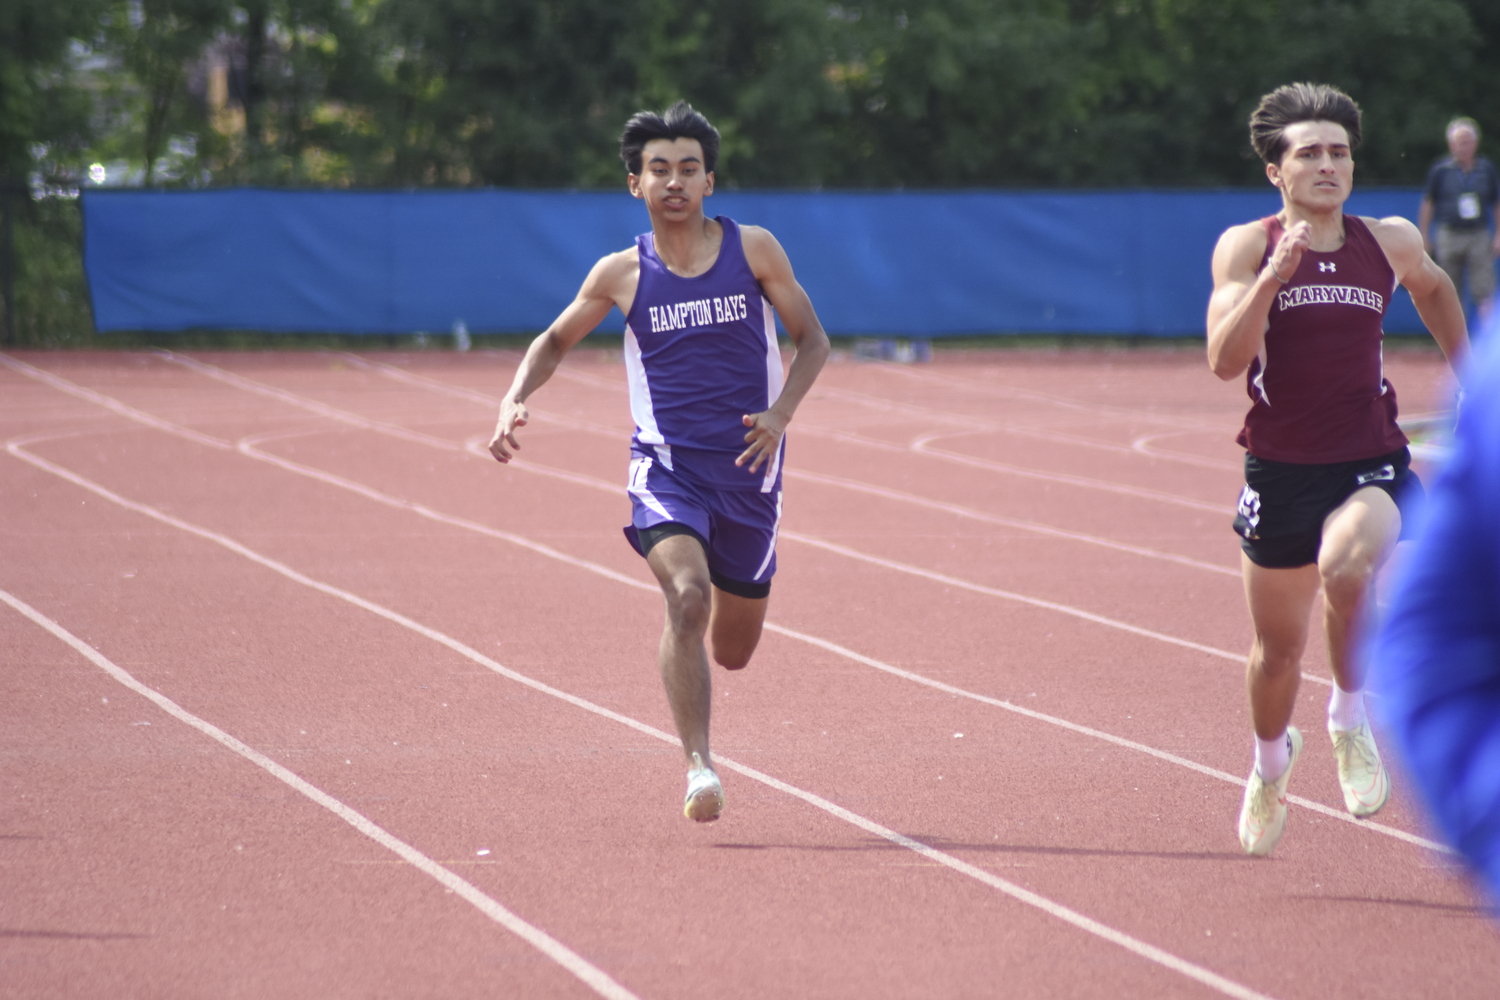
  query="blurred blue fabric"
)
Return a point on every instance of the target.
[
  {"x": 1435, "y": 658},
  {"x": 908, "y": 263}
]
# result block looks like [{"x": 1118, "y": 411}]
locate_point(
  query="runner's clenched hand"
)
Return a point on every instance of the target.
[
  {"x": 512, "y": 415},
  {"x": 763, "y": 438},
  {"x": 1287, "y": 256}
]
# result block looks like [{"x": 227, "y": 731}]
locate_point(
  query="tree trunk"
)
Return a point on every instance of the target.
[{"x": 257, "y": 14}]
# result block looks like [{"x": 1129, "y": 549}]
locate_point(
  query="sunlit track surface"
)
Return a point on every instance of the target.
[{"x": 1097, "y": 772}]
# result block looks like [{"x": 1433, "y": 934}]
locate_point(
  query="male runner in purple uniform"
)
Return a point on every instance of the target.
[
  {"x": 709, "y": 405},
  {"x": 1298, "y": 301}
]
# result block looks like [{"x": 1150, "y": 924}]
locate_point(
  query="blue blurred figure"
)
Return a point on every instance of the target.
[{"x": 1436, "y": 655}]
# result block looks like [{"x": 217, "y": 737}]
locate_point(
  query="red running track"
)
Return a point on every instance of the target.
[{"x": 304, "y": 696}]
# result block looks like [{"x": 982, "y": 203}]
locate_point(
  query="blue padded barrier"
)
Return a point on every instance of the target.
[{"x": 901, "y": 263}]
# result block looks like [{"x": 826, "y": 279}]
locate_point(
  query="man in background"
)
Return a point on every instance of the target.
[{"x": 1463, "y": 197}]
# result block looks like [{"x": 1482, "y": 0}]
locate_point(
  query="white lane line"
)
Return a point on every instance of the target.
[
  {"x": 1143, "y": 444},
  {"x": 592, "y": 976},
  {"x": 471, "y": 447},
  {"x": 922, "y": 446},
  {"x": 1036, "y": 602},
  {"x": 1099, "y": 734},
  {"x": 247, "y": 447},
  {"x": 948, "y": 380},
  {"x": 475, "y": 446},
  {"x": 975, "y": 425},
  {"x": 1132, "y": 944},
  {"x": 311, "y": 405},
  {"x": 475, "y": 396},
  {"x": 1032, "y": 526},
  {"x": 400, "y": 375},
  {"x": 110, "y": 403}
]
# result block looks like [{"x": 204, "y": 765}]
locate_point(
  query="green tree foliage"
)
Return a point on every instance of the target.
[
  {"x": 156, "y": 41},
  {"x": 38, "y": 106},
  {"x": 807, "y": 93},
  {"x": 875, "y": 93}
]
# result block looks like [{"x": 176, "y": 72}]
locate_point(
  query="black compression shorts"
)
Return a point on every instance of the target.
[
  {"x": 648, "y": 537},
  {"x": 1283, "y": 505}
]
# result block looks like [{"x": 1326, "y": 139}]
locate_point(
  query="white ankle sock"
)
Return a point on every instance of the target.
[
  {"x": 1272, "y": 757},
  {"x": 1346, "y": 709}
]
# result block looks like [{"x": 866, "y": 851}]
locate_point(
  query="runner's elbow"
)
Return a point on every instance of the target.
[{"x": 1222, "y": 365}]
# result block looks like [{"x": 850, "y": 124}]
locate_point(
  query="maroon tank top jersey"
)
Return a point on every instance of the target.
[{"x": 1318, "y": 389}]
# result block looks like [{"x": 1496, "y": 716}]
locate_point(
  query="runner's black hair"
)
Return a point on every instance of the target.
[
  {"x": 1300, "y": 102},
  {"x": 679, "y": 121}
]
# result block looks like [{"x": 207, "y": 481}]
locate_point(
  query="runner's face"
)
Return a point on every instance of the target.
[
  {"x": 672, "y": 181},
  {"x": 1316, "y": 171}
]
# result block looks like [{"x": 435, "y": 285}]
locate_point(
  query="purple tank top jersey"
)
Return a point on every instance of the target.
[
  {"x": 1318, "y": 389},
  {"x": 700, "y": 354}
]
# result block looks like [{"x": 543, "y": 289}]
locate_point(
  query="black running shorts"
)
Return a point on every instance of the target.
[{"x": 1283, "y": 505}]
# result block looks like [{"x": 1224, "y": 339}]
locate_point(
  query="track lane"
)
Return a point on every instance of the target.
[
  {"x": 893, "y": 696},
  {"x": 918, "y": 798},
  {"x": 591, "y": 976},
  {"x": 610, "y": 490},
  {"x": 1149, "y": 952}
]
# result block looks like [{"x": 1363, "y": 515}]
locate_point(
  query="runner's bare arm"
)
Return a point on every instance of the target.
[
  {"x": 1240, "y": 308},
  {"x": 771, "y": 267},
  {"x": 611, "y": 282},
  {"x": 1431, "y": 289}
]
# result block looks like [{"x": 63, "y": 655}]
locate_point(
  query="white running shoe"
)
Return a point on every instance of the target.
[
  {"x": 705, "y": 796},
  {"x": 1366, "y": 783},
  {"x": 1263, "y": 813}
]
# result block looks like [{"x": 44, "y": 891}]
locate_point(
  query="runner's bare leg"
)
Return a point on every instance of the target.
[
  {"x": 734, "y": 627},
  {"x": 1280, "y": 603},
  {"x": 1357, "y": 538},
  {"x": 681, "y": 567}
]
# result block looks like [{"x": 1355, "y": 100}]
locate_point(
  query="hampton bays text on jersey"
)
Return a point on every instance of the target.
[
  {"x": 699, "y": 312},
  {"x": 1316, "y": 295}
]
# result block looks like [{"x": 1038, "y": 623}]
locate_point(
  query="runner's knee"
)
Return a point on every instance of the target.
[
  {"x": 1274, "y": 659},
  {"x": 733, "y": 653},
  {"x": 1346, "y": 576},
  {"x": 736, "y": 658},
  {"x": 688, "y": 605}
]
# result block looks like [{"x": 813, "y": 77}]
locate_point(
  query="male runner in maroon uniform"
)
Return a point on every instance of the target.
[{"x": 1298, "y": 301}]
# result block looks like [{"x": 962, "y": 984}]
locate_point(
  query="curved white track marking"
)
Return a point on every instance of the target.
[
  {"x": 110, "y": 403},
  {"x": 948, "y": 381},
  {"x": 472, "y": 448},
  {"x": 592, "y": 976},
  {"x": 354, "y": 420},
  {"x": 435, "y": 385},
  {"x": 311, "y": 405},
  {"x": 474, "y": 395},
  {"x": 476, "y": 445},
  {"x": 1036, "y": 602},
  {"x": 899, "y": 567},
  {"x": 1132, "y": 944},
  {"x": 1143, "y": 445},
  {"x": 922, "y": 447},
  {"x": 247, "y": 447},
  {"x": 1032, "y": 526},
  {"x": 970, "y": 424}
]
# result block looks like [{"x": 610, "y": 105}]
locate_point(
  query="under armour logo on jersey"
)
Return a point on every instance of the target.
[{"x": 1327, "y": 265}]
